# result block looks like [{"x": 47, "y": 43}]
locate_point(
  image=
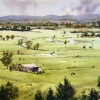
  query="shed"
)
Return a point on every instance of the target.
[{"x": 30, "y": 68}]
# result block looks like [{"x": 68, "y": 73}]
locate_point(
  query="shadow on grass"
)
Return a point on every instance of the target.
[{"x": 43, "y": 50}]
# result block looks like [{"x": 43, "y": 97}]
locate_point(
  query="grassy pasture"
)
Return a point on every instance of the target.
[{"x": 56, "y": 67}]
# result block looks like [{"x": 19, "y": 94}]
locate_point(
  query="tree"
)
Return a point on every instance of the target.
[
  {"x": 84, "y": 97},
  {"x": 65, "y": 91},
  {"x": 28, "y": 28},
  {"x": 54, "y": 36},
  {"x": 8, "y": 92},
  {"x": 98, "y": 82},
  {"x": 93, "y": 95},
  {"x": 93, "y": 34},
  {"x": 7, "y": 58},
  {"x": 23, "y": 28},
  {"x": 50, "y": 95},
  {"x": 94, "y": 24},
  {"x": 18, "y": 52},
  {"x": 28, "y": 44},
  {"x": 99, "y": 23},
  {"x": 12, "y": 37},
  {"x": 85, "y": 34},
  {"x": 1, "y": 36},
  {"x": 84, "y": 46},
  {"x": 15, "y": 28},
  {"x": 11, "y": 67},
  {"x": 36, "y": 46},
  {"x": 20, "y": 41},
  {"x": 7, "y": 37},
  {"x": 39, "y": 95},
  {"x": 65, "y": 42}
]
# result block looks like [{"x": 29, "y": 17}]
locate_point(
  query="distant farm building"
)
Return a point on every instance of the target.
[{"x": 30, "y": 68}]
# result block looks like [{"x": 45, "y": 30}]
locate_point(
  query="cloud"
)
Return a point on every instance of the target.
[
  {"x": 87, "y": 6},
  {"x": 64, "y": 10}
]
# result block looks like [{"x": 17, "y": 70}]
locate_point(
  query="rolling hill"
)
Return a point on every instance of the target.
[{"x": 50, "y": 18}]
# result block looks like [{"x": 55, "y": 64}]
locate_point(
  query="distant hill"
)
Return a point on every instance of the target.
[{"x": 50, "y": 18}]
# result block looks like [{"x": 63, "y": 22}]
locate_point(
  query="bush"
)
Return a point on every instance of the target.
[{"x": 40, "y": 72}]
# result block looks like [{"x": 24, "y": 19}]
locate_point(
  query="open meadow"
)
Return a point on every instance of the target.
[{"x": 55, "y": 58}]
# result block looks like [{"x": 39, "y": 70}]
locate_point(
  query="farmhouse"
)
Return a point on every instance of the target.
[{"x": 30, "y": 68}]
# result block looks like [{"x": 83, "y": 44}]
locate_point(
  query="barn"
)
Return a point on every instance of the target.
[{"x": 30, "y": 68}]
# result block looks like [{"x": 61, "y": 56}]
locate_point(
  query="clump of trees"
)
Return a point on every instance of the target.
[
  {"x": 20, "y": 41},
  {"x": 9, "y": 92},
  {"x": 86, "y": 34},
  {"x": 93, "y": 95},
  {"x": 64, "y": 91},
  {"x": 28, "y": 44}
]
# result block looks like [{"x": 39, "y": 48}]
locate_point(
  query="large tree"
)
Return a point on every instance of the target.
[
  {"x": 65, "y": 91},
  {"x": 8, "y": 92},
  {"x": 7, "y": 58}
]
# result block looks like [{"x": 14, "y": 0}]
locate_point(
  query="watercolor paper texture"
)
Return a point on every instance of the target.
[{"x": 49, "y": 49}]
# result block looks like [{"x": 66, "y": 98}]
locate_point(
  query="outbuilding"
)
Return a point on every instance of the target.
[{"x": 30, "y": 68}]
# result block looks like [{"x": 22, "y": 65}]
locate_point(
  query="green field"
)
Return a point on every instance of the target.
[{"x": 67, "y": 59}]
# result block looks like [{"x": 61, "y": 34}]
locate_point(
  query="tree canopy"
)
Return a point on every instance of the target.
[{"x": 8, "y": 91}]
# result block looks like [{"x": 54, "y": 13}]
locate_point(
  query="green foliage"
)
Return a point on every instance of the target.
[
  {"x": 98, "y": 82},
  {"x": 39, "y": 95},
  {"x": 84, "y": 97},
  {"x": 11, "y": 67},
  {"x": 23, "y": 27},
  {"x": 29, "y": 44},
  {"x": 7, "y": 58},
  {"x": 12, "y": 37},
  {"x": 7, "y": 37},
  {"x": 36, "y": 46},
  {"x": 41, "y": 72},
  {"x": 8, "y": 92},
  {"x": 93, "y": 95},
  {"x": 65, "y": 91},
  {"x": 18, "y": 52},
  {"x": 50, "y": 95},
  {"x": 93, "y": 34},
  {"x": 20, "y": 41},
  {"x": 65, "y": 42}
]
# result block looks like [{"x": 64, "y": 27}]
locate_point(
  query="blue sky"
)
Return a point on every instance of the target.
[{"x": 48, "y": 7}]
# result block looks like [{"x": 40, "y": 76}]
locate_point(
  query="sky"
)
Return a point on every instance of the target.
[{"x": 49, "y": 7}]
